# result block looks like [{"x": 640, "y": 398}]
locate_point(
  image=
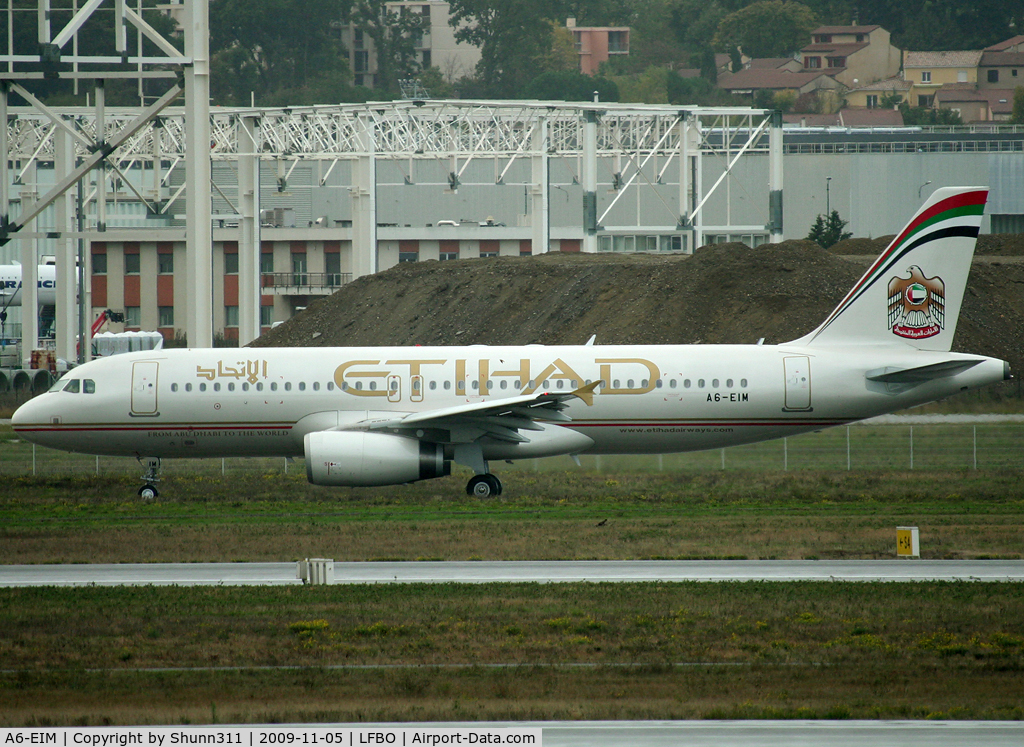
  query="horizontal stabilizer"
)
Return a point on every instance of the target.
[{"x": 892, "y": 375}]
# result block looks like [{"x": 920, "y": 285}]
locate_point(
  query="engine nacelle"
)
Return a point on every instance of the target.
[{"x": 360, "y": 459}]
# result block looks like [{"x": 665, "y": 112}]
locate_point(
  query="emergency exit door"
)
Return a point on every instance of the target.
[
  {"x": 144, "y": 375},
  {"x": 798, "y": 382}
]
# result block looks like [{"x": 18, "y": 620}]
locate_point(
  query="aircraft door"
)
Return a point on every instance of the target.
[
  {"x": 394, "y": 388},
  {"x": 798, "y": 382},
  {"x": 144, "y": 379}
]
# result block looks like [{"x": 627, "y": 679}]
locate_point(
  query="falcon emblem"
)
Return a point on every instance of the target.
[{"x": 917, "y": 305}]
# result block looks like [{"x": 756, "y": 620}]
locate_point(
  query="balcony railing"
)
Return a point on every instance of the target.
[{"x": 305, "y": 282}]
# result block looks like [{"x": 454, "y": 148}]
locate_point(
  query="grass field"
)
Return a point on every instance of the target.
[
  {"x": 512, "y": 651},
  {"x": 522, "y": 651}
]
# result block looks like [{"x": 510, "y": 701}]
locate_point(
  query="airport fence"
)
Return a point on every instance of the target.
[{"x": 857, "y": 447}]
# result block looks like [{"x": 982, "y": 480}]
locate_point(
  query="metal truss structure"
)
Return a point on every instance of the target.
[{"x": 646, "y": 145}]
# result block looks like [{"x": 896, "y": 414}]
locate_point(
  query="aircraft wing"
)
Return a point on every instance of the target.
[{"x": 499, "y": 419}]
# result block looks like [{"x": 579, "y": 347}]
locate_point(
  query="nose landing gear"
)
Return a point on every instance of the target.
[{"x": 148, "y": 492}]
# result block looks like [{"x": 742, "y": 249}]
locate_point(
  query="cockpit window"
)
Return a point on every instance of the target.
[
  {"x": 73, "y": 386},
  {"x": 88, "y": 386}
]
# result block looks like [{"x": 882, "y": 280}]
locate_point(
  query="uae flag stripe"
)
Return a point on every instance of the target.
[{"x": 966, "y": 204}]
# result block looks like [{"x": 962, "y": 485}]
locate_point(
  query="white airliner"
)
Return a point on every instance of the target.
[
  {"x": 390, "y": 415},
  {"x": 10, "y": 285}
]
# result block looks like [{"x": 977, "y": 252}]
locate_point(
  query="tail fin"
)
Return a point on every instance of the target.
[{"x": 912, "y": 293}]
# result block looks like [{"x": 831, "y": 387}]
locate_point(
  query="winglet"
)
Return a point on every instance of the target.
[{"x": 586, "y": 393}]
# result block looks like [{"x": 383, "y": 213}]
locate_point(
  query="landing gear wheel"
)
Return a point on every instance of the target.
[
  {"x": 484, "y": 486},
  {"x": 148, "y": 491}
]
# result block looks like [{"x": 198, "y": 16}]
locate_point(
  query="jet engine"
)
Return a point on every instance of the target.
[{"x": 360, "y": 459}]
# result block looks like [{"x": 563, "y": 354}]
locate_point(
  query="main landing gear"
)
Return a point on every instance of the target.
[
  {"x": 483, "y": 486},
  {"x": 148, "y": 492}
]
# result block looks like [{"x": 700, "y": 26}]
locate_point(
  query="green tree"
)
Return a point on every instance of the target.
[
  {"x": 920, "y": 115},
  {"x": 394, "y": 32},
  {"x": 827, "y": 232},
  {"x": 511, "y": 36},
  {"x": 561, "y": 54},
  {"x": 265, "y": 46},
  {"x": 570, "y": 85},
  {"x": 1017, "y": 116},
  {"x": 768, "y": 28}
]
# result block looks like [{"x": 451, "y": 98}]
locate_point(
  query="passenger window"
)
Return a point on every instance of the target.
[
  {"x": 231, "y": 386},
  {"x": 433, "y": 385},
  {"x": 259, "y": 386},
  {"x": 344, "y": 386},
  {"x": 188, "y": 387},
  {"x": 373, "y": 386},
  {"x": 657, "y": 384},
  {"x": 174, "y": 387},
  {"x": 202, "y": 387},
  {"x": 743, "y": 383},
  {"x": 287, "y": 386},
  {"x": 359, "y": 386},
  {"x": 629, "y": 384},
  {"x": 447, "y": 385},
  {"x": 216, "y": 387},
  {"x": 574, "y": 384},
  {"x": 504, "y": 384},
  {"x": 316, "y": 386},
  {"x": 700, "y": 383},
  {"x": 461, "y": 385},
  {"x": 330, "y": 386},
  {"x": 686, "y": 384},
  {"x": 714, "y": 383},
  {"x": 245, "y": 386},
  {"x": 302, "y": 386},
  {"x": 559, "y": 383},
  {"x": 728, "y": 383}
]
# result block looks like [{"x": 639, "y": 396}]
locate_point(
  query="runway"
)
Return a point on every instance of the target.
[
  {"x": 772, "y": 733},
  {"x": 598, "y": 571}
]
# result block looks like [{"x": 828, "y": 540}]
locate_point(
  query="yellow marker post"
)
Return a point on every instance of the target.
[{"x": 908, "y": 543}]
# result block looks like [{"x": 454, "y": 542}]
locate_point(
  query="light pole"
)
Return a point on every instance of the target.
[
  {"x": 828, "y": 204},
  {"x": 922, "y": 187}
]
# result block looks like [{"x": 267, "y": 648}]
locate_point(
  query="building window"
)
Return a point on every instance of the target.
[
  {"x": 132, "y": 316},
  {"x": 837, "y": 62},
  {"x": 812, "y": 62},
  {"x": 230, "y": 316},
  {"x": 860, "y": 38},
  {"x": 230, "y": 264},
  {"x": 618, "y": 42},
  {"x": 961, "y": 76},
  {"x": 993, "y": 76},
  {"x": 426, "y": 59},
  {"x": 165, "y": 264},
  {"x": 926, "y": 76},
  {"x": 132, "y": 264},
  {"x": 332, "y": 266},
  {"x": 872, "y": 101},
  {"x": 362, "y": 61},
  {"x": 925, "y": 101},
  {"x": 299, "y": 276},
  {"x": 266, "y": 316},
  {"x": 166, "y": 316},
  {"x": 823, "y": 39},
  {"x": 267, "y": 262},
  {"x": 357, "y": 38},
  {"x": 412, "y": 256},
  {"x": 99, "y": 264},
  {"x": 447, "y": 255}
]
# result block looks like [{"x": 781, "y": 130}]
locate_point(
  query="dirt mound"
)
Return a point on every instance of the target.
[
  {"x": 727, "y": 293},
  {"x": 989, "y": 244}
]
